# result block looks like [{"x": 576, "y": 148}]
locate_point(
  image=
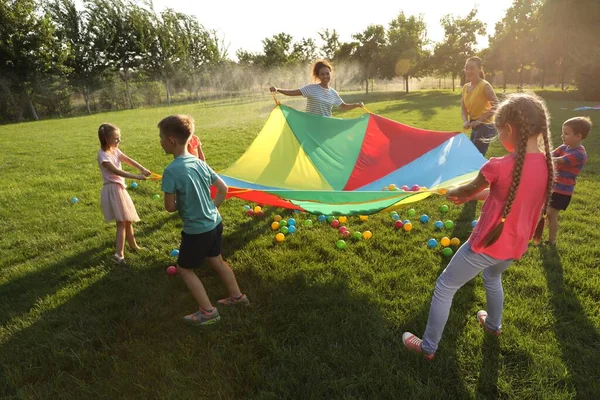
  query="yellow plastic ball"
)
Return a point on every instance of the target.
[
  {"x": 280, "y": 237},
  {"x": 257, "y": 209},
  {"x": 367, "y": 235},
  {"x": 455, "y": 242},
  {"x": 275, "y": 225},
  {"x": 342, "y": 219},
  {"x": 445, "y": 242},
  {"x": 277, "y": 218},
  {"x": 363, "y": 218},
  {"x": 391, "y": 187},
  {"x": 408, "y": 227}
]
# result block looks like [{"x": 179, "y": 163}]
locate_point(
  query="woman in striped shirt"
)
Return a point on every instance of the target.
[{"x": 320, "y": 97}]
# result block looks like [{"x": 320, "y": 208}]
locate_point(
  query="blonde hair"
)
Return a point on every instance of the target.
[
  {"x": 106, "y": 131},
  {"x": 528, "y": 115},
  {"x": 180, "y": 127},
  {"x": 580, "y": 125}
]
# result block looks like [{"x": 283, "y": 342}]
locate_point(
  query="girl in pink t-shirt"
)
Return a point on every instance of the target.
[
  {"x": 116, "y": 202},
  {"x": 516, "y": 202}
]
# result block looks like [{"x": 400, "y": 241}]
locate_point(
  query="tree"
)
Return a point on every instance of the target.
[
  {"x": 459, "y": 43},
  {"x": 331, "y": 44},
  {"x": 304, "y": 51},
  {"x": 369, "y": 51},
  {"x": 406, "y": 55}
]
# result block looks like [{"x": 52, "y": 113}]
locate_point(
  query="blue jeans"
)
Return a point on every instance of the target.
[
  {"x": 464, "y": 266},
  {"x": 481, "y": 136}
]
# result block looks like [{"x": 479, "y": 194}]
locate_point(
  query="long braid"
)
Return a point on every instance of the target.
[
  {"x": 524, "y": 133},
  {"x": 539, "y": 230}
]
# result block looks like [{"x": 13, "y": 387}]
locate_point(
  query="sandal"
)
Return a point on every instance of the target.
[{"x": 117, "y": 259}]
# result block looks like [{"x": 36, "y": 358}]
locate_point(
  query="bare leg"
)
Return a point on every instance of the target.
[
  {"x": 552, "y": 225},
  {"x": 130, "y": 236},
  {"x": 196, "y": 287},
  {"x": 226, "y": 274},
  {"x": 120, "y": 238}
]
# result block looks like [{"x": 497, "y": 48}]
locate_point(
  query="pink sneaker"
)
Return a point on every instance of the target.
[
  {"x": 232, "y": 301},
  {"x": 481, "y": 317},
  {"x": 413, "y": 343}
]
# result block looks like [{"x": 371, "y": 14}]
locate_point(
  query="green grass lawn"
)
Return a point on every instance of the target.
[{"x": 325, "y": 323}]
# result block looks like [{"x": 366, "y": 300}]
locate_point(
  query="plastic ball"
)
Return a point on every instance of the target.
[
  {"x": 283, "y": 222},
  {"x": 398, "y": 224},
  {"x": 257, "y": 209},
  {"x": 445, "y": 241},
  {"x": 438, "y": 225},
  {"x": 335, "y": 223},
  {"x": 322, "y": 218},
  {"x": 343, "y": 219},
  {"x": 424, "y": 219},
  {"x": 275, "y": 225},
  {"x": 391, "y": 187},
  {"x": 447, "y": 252},
  {"x": 280, "y": 237},
  {"x": 74, "y": 200},
  {"x": 291, "y": 221},
  {"x": 156, "y": 196},
  {"x": 247, "y": 207},
  {"x": 133, "y": 185},
  {"x": 342, "y": 229},
  {"x": 297, "y": 211},
  {"x": 455, "y": 242},
  {"x": 385, "y": 189},
  {"x": 408, "y": 227},
  {"x": 473, "y": 223},
  {"x": 405, "y": 188},
  {"x": 341, "y": 244},
  {"x": 330, "y": 218},
  {"x": 292, "y": 229},
  {"x": 284, "y": 229},
  {"x": 412, "y": 212},
  {"x": 432, "y": 243},
  {"x": 308, "y": 223},
  {"x": 367, "y": 235},
  {"x": 449, "y": 224},
  {"x": 406, "y": 221},
  {"x": 357, "y": 235},
  {"x": 415, "y": 188},
  {"x": 250, "y": 213},
  {"x": 363, "y": 218},
  {"x": 260, "y": 214},
  {"x": 174, "y": 253},
  {"x": 444, "y": 209},
  {"x": 346, "y": 233},
  {"x": 277, "y": 218},
  {"x": 395, "y": 217},
  {"x": 171, "y": 270}
]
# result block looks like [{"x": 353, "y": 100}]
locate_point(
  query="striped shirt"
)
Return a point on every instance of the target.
[
  {"x": 319, "y": 100},
  {"x": 566, "y": 173}
]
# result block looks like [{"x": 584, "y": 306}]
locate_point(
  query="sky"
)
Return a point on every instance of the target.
[{"x": 245, "y": 23}]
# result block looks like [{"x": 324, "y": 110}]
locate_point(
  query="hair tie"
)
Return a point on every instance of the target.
[{"x": 503, "y": 219}]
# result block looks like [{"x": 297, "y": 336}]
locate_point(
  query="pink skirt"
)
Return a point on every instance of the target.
[{"x": 117, "y": 204}]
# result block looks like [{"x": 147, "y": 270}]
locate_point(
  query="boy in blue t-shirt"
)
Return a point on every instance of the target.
[{"x": 186, "y": 184}]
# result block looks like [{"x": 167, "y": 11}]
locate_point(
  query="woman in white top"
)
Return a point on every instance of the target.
[{"x": 320, "y": 97}]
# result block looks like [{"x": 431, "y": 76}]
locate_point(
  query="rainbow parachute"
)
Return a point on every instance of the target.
[{"x": 338, "y": 166}]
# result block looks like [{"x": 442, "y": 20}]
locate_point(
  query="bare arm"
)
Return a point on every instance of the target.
[
  {"x": 170, "y": 202},
  {"x": 221, "y": 191},
  {"x": 287, "y": 92},
  {"x": 352, "y": 106},
  {"x": 464, "y": 113},
  {"x": 112, "y": 168},
  {"x": 133, "y": 163},
  {"x": 469, "y": 191},
  {"x": 201, "y": 154}
]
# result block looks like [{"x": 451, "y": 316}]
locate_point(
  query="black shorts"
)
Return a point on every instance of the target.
[
  {"x": 195, "y": 248},
  {"x": 560, "y": 201}
]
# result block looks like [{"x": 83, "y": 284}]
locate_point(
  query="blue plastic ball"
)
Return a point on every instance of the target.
[
  {"x": 74, "y": 200},
  {"x": 247, "y": 207},
  {"x": 297, "y": 211},
  {"x": 439, "y": 225},
  {"x": 174, "y": 253},
  {"x": 406, "y": 221},
  {"x": 322, "y": 218},
  {"x": 291, "y": 221},
  {"x": 474, "y": 223},
  {"x": 292, "y": 229},
  {"x": 395, "y": 217},
  {"x": 424, "y": 219},
  {"x": 432, "y": 243},
  {"x": 134, "y": 185}
]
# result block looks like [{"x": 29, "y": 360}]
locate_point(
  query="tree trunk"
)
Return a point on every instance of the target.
[
  {"x": 562, "y": 76},
  {"x": 34, "y": 113},
  {"x": 168, "y": 93},
  {"x": 543, "y": 78},
  {"x": 367, "y": 84},
  {"x": 406, "y": 81},
  {"x": 125, "y": 77},
  {"x": 453, "y": 78},
  {"x": 86, "y": 97}
]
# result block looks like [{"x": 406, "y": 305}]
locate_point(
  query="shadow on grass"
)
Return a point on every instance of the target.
[{"x": 578, "y": 337}]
